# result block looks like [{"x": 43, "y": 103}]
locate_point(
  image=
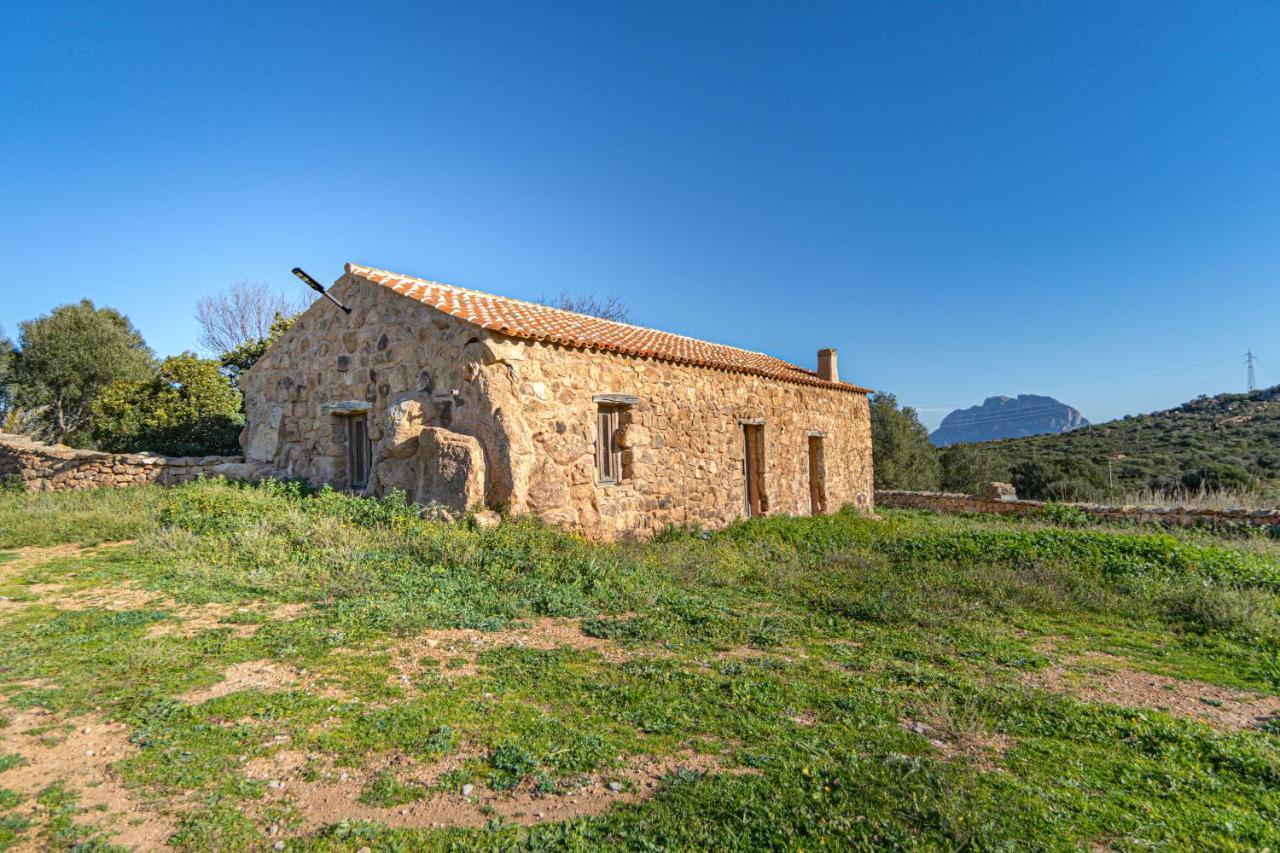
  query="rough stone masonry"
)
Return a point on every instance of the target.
[{"x": 474, "y": 401}]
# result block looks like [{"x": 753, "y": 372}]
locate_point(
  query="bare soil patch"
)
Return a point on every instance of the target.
[
  {"x": 452, "y": 652},
  {"x": 1103, "y": 678},
  {"x": 262, "y": 674},
  {"x": 79, "y": 752},
  {"x": 30, "y": 557},
  {"x": 192, "y": 619},
  {"x": 335, "y": 797},
  {"x": 249, "y": 675}
]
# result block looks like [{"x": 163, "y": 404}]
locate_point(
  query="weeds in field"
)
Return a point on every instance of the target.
[{"x": 778, "y": 657}]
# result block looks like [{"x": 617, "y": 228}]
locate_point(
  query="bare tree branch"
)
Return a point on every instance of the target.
[
  {"x": 242, "y": 314},
  {"x": 607, "y": 308}
]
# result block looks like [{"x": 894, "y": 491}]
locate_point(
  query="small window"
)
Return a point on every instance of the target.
[
  {"x": 608, "y": 453},
  {"x": 359, "y": 452}
]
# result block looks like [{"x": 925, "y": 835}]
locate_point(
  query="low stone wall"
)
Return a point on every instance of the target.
[
  {"x": 947, "y": 502},
  {"x": 56, "y": 468}
]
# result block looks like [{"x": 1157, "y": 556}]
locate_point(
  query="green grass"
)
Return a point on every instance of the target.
[
  {"x": 83, "y": 517},
  {"x": 848, "y": 625}
]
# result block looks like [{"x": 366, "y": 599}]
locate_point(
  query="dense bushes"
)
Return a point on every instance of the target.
[
  {"x": 187, "y": 408},
  {"x": 83, "y": 375}
]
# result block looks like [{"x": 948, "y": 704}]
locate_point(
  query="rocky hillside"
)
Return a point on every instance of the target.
[
  {"x": 1223, "y": 441},
  {"x": 1007, "y": 417}
]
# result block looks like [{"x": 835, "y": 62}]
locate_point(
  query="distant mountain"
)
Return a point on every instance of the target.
[{"x": 1007, "y": 417}]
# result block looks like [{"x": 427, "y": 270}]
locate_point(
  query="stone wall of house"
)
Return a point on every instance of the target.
[
  {"x": 529, "y": 411},
  {"x": 55, "y": 468},
  {"x": 944, "y": 502},
  {"x": 682, "y": 440}
]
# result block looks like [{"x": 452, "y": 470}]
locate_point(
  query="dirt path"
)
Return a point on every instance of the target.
[
  {"x": 30, "y": 557},
  {"x": 79, "y": 753},
  {"x": 334, "y": 797},
  {"x": 1106, "y": 678}
]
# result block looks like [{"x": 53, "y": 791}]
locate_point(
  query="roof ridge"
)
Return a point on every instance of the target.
[
  {"x": 524, "y": 319},
  {"x": 352, "y": 267}
]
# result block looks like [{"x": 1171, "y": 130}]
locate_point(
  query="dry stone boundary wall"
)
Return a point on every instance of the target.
[
  {"x": 55, "y": 468},
  {"x": 946, "y": 502}
]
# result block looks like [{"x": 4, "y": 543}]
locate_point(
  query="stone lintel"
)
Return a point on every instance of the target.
[
  {"x": 616, "y": 399},
  {"x": 348, "y": 407}
]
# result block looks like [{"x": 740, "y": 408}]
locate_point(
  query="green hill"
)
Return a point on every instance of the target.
[{"x": 1228, "y": 441}]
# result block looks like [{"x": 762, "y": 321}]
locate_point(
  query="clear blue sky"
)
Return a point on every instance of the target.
[{"x": 967, "y": 199}]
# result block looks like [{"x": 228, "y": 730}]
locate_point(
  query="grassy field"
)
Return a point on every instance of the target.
[{"x": 215, "y": 667}]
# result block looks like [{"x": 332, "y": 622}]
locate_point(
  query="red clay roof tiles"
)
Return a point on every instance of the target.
[{"x": 531, "y": 321}]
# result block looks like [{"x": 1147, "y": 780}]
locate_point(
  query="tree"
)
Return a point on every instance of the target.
[
  {"x": 187, "y": 408},
  {"x": 241, "y": 315},
  {"x": 1031, "y": 478},
  {"x": 904, "y": 458},
  {"x": 7, "y": 355},
  {"x": 607, "y": 308},
  {"x": 240, "y": 359},
  {"x": 966, "y": 468},
  {"x": 66, "y": 358}
]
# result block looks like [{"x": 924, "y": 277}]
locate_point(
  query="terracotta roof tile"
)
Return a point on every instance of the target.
[{"x": 531, "y": 321}]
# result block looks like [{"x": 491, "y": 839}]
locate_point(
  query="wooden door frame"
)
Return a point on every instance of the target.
[
  {"x": 817, "y": 474},
  {"x": 755, "y": 498}
]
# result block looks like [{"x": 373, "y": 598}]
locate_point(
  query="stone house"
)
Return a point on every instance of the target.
[{"x": 476, "y": 401}]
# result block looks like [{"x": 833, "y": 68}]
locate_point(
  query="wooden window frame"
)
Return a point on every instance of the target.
[{"x": 608, "y": 453}]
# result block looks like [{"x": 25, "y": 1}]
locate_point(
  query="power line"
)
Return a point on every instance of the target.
[{"x": 1249, "y": 360}]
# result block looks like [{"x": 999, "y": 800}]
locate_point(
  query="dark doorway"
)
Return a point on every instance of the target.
[
  {"x": 817, "y": 477},
  {"x": 756, "y": 504}
]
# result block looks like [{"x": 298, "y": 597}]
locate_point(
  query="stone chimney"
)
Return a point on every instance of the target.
[{"x": 827, "y": 365}]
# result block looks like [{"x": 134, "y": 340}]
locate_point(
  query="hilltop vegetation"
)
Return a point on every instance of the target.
[
  {"x": 266, "y": 666},
  {"x": 1226, "y": 445},
  {"x": 1229, "y": 441}
]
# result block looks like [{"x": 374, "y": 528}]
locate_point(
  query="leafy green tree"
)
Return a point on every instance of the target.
[
  {"x": 7, "y": 354},
  {"x": 1031, "y": 478},
  {"x": 188, "y": 408},
  {"x": 904, "y": 458},
  {"x": 966, "y": 468},
  {"x": 66, "y": 358},
  {"x": 240, "y": 358}
]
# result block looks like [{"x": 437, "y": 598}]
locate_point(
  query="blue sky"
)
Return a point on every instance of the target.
[{"x": 966, "y": 199}]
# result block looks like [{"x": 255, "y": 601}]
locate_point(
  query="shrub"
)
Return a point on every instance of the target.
[
  {"x": 1220, "y": 478},
  {"x": 188, "y": 408},
  {"x": 966, "y": 468},
  {"x": 1072, "y": 490},
  {"x": 1243, "y": 611},
  {"x": 1062, "y": 514}
]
